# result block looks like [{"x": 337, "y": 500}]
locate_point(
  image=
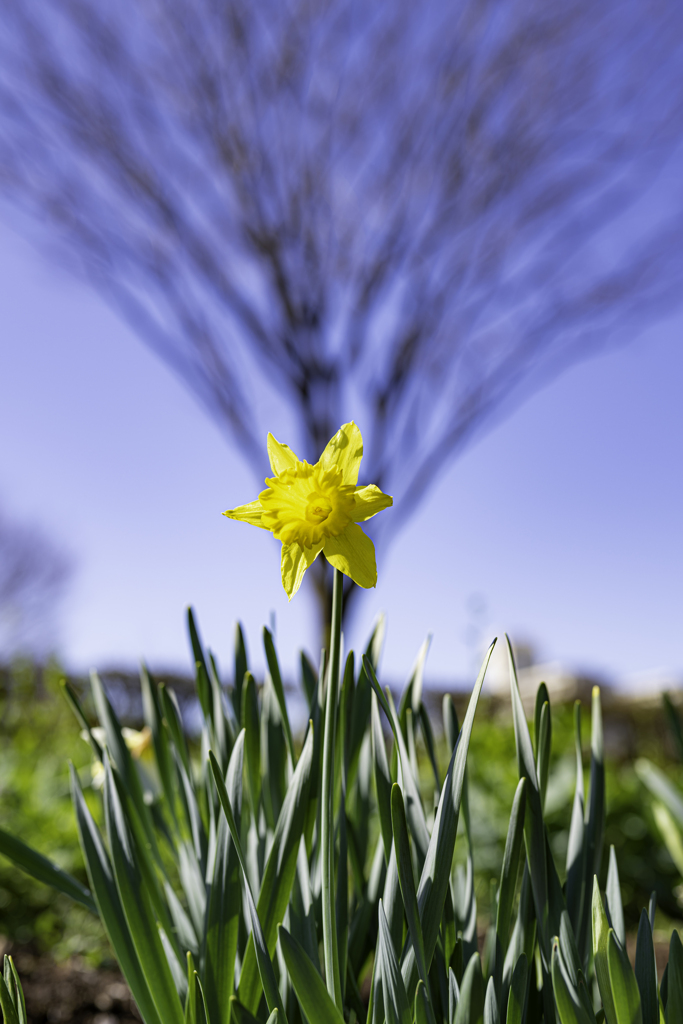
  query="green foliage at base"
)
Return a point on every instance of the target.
[{"x": 229, "y": 877}]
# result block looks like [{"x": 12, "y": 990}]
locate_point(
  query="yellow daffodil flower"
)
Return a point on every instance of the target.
[
  {"x": 136, "y": 741},
  {"x": 318, "y": 508}
]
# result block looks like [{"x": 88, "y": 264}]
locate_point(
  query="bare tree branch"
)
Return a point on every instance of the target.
[
  {"x": 33, "y": 576},
  {"x": 413, "y": 214}
]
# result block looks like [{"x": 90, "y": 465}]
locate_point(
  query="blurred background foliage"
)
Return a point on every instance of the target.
[{"x": 38, "y": 735}]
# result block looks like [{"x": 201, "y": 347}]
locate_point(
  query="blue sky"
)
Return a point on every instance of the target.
[{"x": 562, "y": 525}]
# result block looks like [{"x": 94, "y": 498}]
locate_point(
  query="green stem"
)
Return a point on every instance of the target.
[{"x": 330, "y": 950}]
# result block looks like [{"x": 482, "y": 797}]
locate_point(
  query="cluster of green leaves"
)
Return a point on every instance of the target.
[
  {"x": 630, "y": 733},
  {"x": 271, "y": 882}
]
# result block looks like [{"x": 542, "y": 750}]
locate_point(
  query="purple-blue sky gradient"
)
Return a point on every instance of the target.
[{"x": 562, "y": 525}]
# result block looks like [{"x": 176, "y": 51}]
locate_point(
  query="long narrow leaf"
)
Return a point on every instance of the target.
[
  {"x": 122, "y": 759},
  {"x": 543, "y": 735},
  {"x": 382, "y": 776},
  {"x": 453, "y": 995},
  {"x": 393, "y": 903},
  {"x": 646, "y": 972},
  {"x": 615, "y": 909},
  {"x": 108, "y": 902},
  {"x": 241, "y": 667},
  {"x": 250, "y": 723},
  {"x": 674, "y": 1001},
  {"x": 279, "y": 872},
  {"x": 414, "y": 810},
  {"x": 623, "y": 983},
  {"x": 274, "y": 669},
  {"x": 15, "y": 990},
  {"x": 470, "y": 1008},
  {"x": 301, "y": 909},
  {"x": 576, "y": 847},
  {"x": 154, "y": 719},
  {"x": 396, "y": 1004},
  {"x": 361, "y": 703},
  {"x": 595, "y": 818},
  {"x": 600, "y": 954},
  {"x": 75, "y": 705},
  {"x": 275, "y": 759},
  {"x": 137, "y": 907},
  {"x": 171, "y": 711},
  {"x": 491, "y": 1012},
  {"x": 434, "y": 881},
  {"x": 407, "y": 882},
  {"x": 518, "y": 988},
  {"x": 224, "y": 903},
  {"x": 43, "y": 870},
  {"x": 265, "y": 964},
  {"x": 183, "y": 926},
  {"x": 534, "y": 828},
  {"x": 9, "y": 1013},
  {"x": 510, "y": 869},
  {"x": 468, "y": 897},
  {"x": 421, "y": 1005},
  {"x": 571, "y": 964},
  {"x": 203, "y": 690},
  {"x": 430, "y": 744},
  {"x": 309, "y": 987},
  {"x": 567, "y": 1000},
  {"x": 191, "y": 997}
]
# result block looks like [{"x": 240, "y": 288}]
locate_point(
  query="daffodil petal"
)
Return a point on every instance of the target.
[
  {"x": 250, "y": 513},
  {"x": 353, "y": 553},
  {"x": 368, "y": 501},
  {"x": 281, "y": 456},
  {"x": 294, "y": 563},
  {"x": 344, "y": 451}
]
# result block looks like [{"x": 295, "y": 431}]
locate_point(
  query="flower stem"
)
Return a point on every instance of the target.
[{"x": 330, "y": 950}]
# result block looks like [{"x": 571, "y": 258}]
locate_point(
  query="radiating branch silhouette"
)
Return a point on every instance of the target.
[{"x": 413, "y": 214}]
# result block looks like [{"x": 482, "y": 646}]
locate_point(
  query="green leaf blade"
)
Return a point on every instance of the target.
[
  {"x": 43, "y": 870},
  {"x": 674, "y": 1003},
  {"x": 510, "y": 869},
  {"x": 646, "y": 971},
  {"x": 470, "y": 1008},
  {"x": 137, "y": 908},
  {"x": 623, "y": 983},
  {"x": 600, "y": 953},
  {"x": 278, "y": 876},
  {"x": 309, "y": 987},
  {"x": 109, "y": 906},
  {"x": 434, "y": 880}
]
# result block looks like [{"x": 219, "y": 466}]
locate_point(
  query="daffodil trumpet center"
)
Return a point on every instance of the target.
[
  {"x": 307, "y": 504},
  {"x": 318, "y": 509}
]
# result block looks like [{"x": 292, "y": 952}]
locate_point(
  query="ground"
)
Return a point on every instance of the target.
[{"x": 72, "y": 993}]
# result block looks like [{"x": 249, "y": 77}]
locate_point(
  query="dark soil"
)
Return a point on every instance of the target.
[{"x": 71, "y": 992}]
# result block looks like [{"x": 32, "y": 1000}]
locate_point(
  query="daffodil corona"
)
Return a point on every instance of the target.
[{"x": 318, "y": 508}]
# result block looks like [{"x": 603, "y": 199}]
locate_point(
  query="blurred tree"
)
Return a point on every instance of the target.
[
  {"x": 33, "y": 575},
  {"x": 417, "y": 212}
]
